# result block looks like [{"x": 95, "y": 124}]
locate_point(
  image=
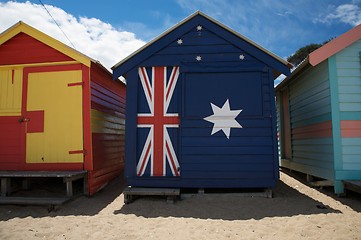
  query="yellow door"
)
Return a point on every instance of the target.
[{"x": 50, "y": 100}]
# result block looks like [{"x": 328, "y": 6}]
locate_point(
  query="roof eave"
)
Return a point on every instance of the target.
[
  {"x": 279, "y": 59},
  {"x": 46, "y": 39},
  {"x": 335, "y": 45},
  {"x": 295, "y": 72}
]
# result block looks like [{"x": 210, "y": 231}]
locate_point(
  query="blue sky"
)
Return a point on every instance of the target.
[{"x": 110, "y": 29}]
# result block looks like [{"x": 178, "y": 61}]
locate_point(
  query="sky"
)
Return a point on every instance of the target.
[{"x": 110, "y": 30}]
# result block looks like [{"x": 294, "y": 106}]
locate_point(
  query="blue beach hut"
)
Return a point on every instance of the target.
[{"x": 201, "y": 109}]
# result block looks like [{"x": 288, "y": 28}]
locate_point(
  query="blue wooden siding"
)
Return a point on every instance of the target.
[
  {"x": 310, "y": 103},
  {"x": 249, "y": 157}
]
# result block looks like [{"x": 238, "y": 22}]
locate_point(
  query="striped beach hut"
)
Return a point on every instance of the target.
[
  {"x": 319, "y": 113},
  {"x": 202, "y": 109},
  {"x": 61, "y": 112}
]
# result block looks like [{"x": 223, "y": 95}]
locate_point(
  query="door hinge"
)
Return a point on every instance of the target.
[
  {"x": 78, "y": 152},
  {"x": 75, "y": 84}
]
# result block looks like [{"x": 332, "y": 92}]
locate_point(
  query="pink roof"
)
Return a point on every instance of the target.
[{"x": 335, "y": 46}]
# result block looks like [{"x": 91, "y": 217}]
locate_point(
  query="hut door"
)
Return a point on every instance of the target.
[{"x": 53, "y": 117}]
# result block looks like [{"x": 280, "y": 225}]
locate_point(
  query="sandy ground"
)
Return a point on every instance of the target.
[{"x": 296, "y": 212}]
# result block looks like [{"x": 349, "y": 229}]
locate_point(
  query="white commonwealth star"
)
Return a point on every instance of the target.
[{"x": 223, "y": 118}]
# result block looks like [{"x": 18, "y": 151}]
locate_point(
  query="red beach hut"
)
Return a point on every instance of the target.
[{"x": 61, "y": 114}]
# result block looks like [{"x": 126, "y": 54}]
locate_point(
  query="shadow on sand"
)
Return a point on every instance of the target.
[
  {"x": 351, "y": 199},
  {"x": 81, "y": 206},
  {"x": 286, "y": 202}
]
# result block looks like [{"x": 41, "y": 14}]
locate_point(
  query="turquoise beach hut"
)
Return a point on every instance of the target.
[{"x": 319, "y": 113}]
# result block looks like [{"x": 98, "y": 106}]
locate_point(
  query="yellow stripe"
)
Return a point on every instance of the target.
[
  {"x": 10, "y": 92},
  {"x": 21, "y": 66},
  {"x": 106, "y": 123}
]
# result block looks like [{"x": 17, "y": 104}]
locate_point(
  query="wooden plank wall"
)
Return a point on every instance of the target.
[
  {"x": 108, "y": 128},
  {"x": 249, "y": 157},
  {"x": 310, "y": 120},
  {"x": 349, "y": 99}
]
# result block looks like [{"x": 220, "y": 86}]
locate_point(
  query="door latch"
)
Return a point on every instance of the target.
[{"x": 24, "y": 119}]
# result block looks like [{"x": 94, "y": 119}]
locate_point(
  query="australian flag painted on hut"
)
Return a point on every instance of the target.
[{"x": 201, "y": 109}]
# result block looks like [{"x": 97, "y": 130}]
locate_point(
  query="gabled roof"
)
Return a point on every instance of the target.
[
  {"x": 128, "y": 63},
  {"x": 334, "y": 46},
  {"x": 42, "y": 37},
  {"x": 325, "y": 52}
]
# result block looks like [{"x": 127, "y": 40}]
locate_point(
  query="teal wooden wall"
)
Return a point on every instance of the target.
[
  {"x": 310, "y": 120},
  {"x": 347, "y": 101},
  {"x": 349, "y": 82}
]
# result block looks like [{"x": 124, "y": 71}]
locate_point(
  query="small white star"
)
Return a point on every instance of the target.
[
  {"x": 199, "y": 58},
  {"x": 241, "y": 57},
  {"x": 199, "y": 28},
  {"x": 180, "y": 41},
  {"x": 223, "y": 119}
]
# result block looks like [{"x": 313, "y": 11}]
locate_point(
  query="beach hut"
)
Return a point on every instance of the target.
[
  {"x": 319, "y": 113},
  {"x": 61, "y": 113},
  {"x": 201, "y": 109}
]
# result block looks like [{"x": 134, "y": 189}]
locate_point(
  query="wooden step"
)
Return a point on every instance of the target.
[
  {"x": 34, "y": 200},
  {"x": 131, "y": 192},
  {"x": 354, "y": 186},
  {"x": 151, "y": 191}
]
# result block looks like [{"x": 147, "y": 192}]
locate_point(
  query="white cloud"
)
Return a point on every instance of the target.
[
  {"x": 346, "y": 13},
  {"x": 91, "y": 36}
]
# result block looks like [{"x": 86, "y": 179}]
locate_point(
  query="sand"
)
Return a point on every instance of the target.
[{"x": 296, "y": 212}]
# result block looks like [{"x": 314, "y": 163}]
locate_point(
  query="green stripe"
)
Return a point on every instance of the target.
[
  {"x": 319, "y": 119},
  {"x": 348, "y": 175},
  {"x": 350, "y": 115}
]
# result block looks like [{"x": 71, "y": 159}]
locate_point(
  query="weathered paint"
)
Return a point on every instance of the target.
[{"x": 245, "y": 158}]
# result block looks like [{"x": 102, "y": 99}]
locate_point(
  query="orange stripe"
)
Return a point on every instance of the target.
[
  {"x": 351, "y": 128},
  {"x": 318, "y": 130}
]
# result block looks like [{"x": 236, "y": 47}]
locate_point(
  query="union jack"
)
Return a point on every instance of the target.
[{"x": 158, "y": 148}]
